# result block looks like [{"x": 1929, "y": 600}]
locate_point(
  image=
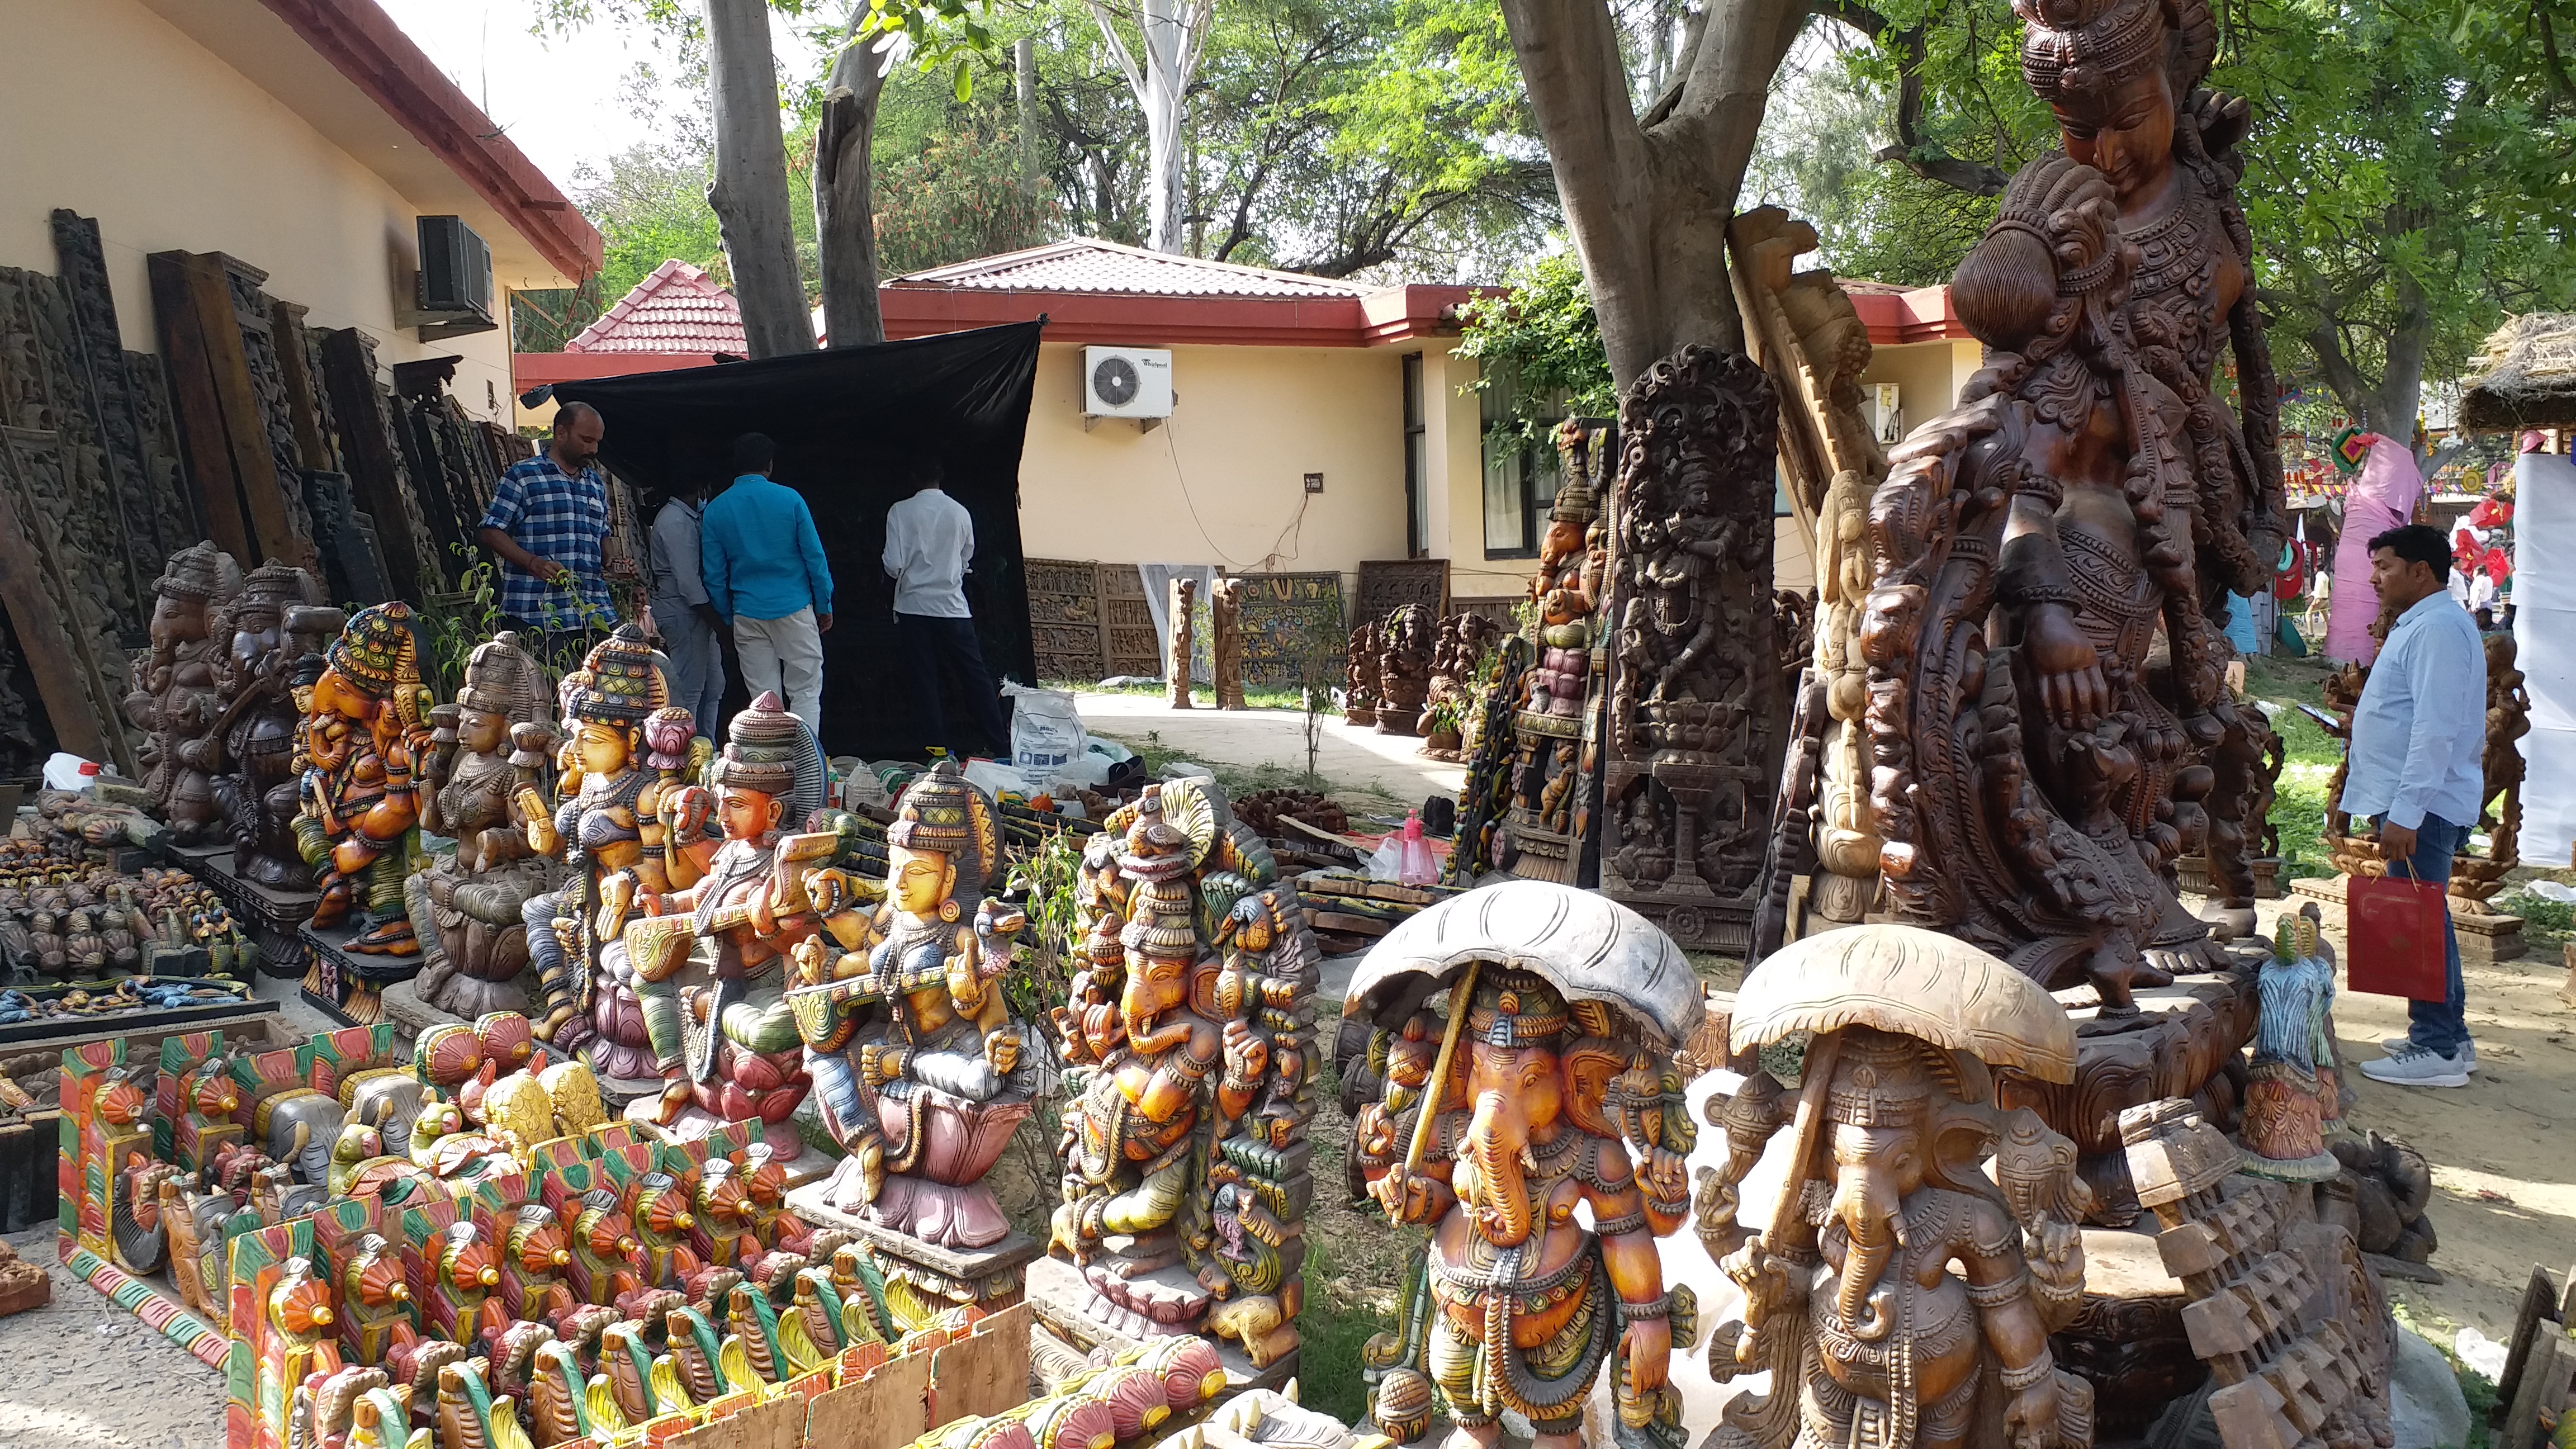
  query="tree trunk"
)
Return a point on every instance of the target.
[
  {"x": 1648, "y": 203},
  {"x": 1024, "y": 71},
  {"x": 2389, "y": 408},
  {"x": 845, "y": 212},
  {"x": 1175, "y": 35},
  {"x": 749, "y": 196}
]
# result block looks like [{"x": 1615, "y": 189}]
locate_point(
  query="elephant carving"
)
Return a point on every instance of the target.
[
  {"x": 301, "y": 1126},
  {"x": 388, "y": 1101}
]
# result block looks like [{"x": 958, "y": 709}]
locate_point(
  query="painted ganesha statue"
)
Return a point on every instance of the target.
[
  {"x": 1190, "y": 1055},
  {"x": 1544, "y": 1146}
]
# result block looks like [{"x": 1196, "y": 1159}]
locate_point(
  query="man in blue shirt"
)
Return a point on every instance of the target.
[
  {"x": 547, "y": 519},
  {"x": 2417, "y": 764},
  {"x": 763, "y": 567}
]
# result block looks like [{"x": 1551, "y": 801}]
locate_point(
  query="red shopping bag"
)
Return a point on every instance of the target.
[{"x": 2394, "y": 929}]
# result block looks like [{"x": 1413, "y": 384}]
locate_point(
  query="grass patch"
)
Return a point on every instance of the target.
[
  {"x": 1331, "y": 1333},
  {"x": 1242, "y": 780},
  {"x": 2547, "y": 924},
  {"x": 1257, "y": 696}
]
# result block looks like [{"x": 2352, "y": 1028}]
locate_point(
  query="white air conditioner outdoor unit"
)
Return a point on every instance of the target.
[{"x": 1126, "y": 382}]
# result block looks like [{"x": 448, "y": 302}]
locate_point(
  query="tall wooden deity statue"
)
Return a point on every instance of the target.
[
  {"x": 1555, "y": 745},
  {"x": 620, "y": 810},
  {"x": 1696, "y": 708},
  {"x": 271, "y": 628},
  {"x": 1189, "y": 1041},
  {"x": 496, "y": 740},
  {"x": 1852, "y": 1301},
  {"x": 924, "y": 1072},
  {"x": 177, "y": 696},
  {"x": 2124, "y": 78},
  {"x": 1553, "y": 1089},
  {"x": 364, "y": 736},
  {"x": 2035, "y": 773}
]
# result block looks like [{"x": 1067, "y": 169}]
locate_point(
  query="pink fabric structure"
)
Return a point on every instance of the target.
[{"x": 2381, "y": 498}]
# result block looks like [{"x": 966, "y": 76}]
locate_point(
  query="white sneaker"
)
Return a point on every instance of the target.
[
  {"x": 2412, "y": 1066},
  {"x": 2468, "y": 1052}
]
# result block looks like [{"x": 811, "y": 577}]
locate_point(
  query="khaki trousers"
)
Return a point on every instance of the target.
[{"x": 785, "y": 655}]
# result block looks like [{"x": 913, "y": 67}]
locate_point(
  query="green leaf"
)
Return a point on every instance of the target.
[{"x": 965, "y": 82}]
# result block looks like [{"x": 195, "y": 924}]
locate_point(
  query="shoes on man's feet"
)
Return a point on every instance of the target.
[
  {"x": 2468, "y": 1052},
  {"x": 2413, "y": 1066}
]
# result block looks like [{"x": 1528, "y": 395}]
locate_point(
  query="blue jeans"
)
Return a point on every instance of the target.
[
  {"x": 697, "y": 663},
  {"x": 2440, "y": 1026}
]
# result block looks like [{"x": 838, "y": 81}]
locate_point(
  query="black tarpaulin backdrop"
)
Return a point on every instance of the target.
[{"x": 846, "y": 421}]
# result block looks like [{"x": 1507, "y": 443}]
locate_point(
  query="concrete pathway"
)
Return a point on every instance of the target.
[{"x": 1351, "y": 758}]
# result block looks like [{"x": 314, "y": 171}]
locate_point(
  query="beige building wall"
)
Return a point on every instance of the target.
[
  {"x": 1222, "y": 481},
  {"x": 1928, "y": 375},
  {"x": 112, "y": 111}
]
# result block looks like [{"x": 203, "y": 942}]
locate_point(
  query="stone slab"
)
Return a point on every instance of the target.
[{"x": 1062, "y": 1301}]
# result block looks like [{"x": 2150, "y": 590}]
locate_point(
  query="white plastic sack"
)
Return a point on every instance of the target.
[
  {"x": 1046, "y": 730},
  {"x": 995, "y": 778}
]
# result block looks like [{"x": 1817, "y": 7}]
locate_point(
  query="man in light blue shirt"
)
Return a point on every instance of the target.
[
  {"x": 2417, "y": 764},
  {"x": 763, "y": 567}
]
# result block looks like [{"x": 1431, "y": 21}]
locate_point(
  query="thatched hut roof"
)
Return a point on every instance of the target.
[{"x": 2526, "y": 376}]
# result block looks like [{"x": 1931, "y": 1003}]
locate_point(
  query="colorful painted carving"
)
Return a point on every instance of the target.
[
  {"x": 365, "y": 734},
  {"x": 620, "y": 814},
  {"x": 1553, "y": 1088},
  {"x": 1190, "y": 1048},
  {"x": 908, "y": 1033},
  {"x": 492, "y": 744}
]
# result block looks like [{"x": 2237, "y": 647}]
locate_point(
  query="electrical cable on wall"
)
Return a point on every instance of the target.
[{"x": 1268, "y": 561}]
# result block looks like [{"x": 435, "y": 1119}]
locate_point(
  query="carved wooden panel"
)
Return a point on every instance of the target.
[
  {"x": 1691, "y": 756},
  {"x": 1293, "y": 632},
  {"x": 1134, "y": 647},
  {"x": 254, "y": 315},
  {"x": 173, "y": 512},
  {"x": 1065, "y": 624},
  {"x": 70, "y": 646},
  {"x": 106, "y": 390},
  {"x": 39, "y": 370},
  {"x": 379, "y": 465},
  {"x": 1387, "y": 585}
]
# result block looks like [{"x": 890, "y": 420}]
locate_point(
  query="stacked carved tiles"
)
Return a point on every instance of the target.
[
  {"x": 2293, "y": 1324},
  {"x": 1349, "y": 912}
]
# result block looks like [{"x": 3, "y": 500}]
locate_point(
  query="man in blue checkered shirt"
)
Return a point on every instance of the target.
[{"x": 547, "y": 519}]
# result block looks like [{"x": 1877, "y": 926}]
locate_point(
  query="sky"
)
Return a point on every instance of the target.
[{"x": 565, "y": 100}]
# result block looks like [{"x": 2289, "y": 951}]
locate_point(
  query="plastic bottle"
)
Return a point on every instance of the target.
[{"x": 1417, "y": 867}]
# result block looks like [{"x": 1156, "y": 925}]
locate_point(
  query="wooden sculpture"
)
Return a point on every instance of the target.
[
  {"x": 1556, "y": 743},
  {"x": 363, "y": 739},
  {"x": 1359, "y": 699},
  {"x": 1225, "y": 646},
  {"x": 1851, "y": 1303},
  {"x": 2290, "y": 1318},
  {"x": 273, "y": 629},
  {"x": 1553, "y": 1089},
  {"x": 2477, "y": 876},
  {"x": 490, "y": 745},
  {"x": 908, "y": 1036},
  {"x": 1190, "y": 1051},
  {"x": 620, "y": 812},
  {"x": 2125, "y": 79},
  {"x": 176, "y": 700},
  {"x": 731, "y": 1048},
  {"x": 2292, "y": 1089},
  {"x": 2044, "y": 834},
  {"x": 1183, "y": 602},
  {"x": 1696, "y": 711},
  {"x": 1403, "y": 670}
]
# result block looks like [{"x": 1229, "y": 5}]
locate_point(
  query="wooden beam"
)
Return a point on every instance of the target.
[{"x": 212, "y": 479}]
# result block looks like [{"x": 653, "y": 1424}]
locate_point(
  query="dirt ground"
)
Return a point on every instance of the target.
[{"x": 82, "y": 1373}]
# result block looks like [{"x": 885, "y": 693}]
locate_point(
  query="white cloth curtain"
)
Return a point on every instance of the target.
[
  {"x": 2544, "y": 633},
  {"x": 1158, "y": 597}
]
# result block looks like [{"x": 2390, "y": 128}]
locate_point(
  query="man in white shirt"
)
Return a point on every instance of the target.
[
  {"x": 2417, "y": 764},
  {"x": 930, "y": 546},
  {"x": 691, "y": 631}
]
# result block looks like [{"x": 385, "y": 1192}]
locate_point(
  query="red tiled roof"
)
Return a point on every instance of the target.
[
  {"x": 677, "y": 309},
  {"x": 1089, "y": 265}
]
